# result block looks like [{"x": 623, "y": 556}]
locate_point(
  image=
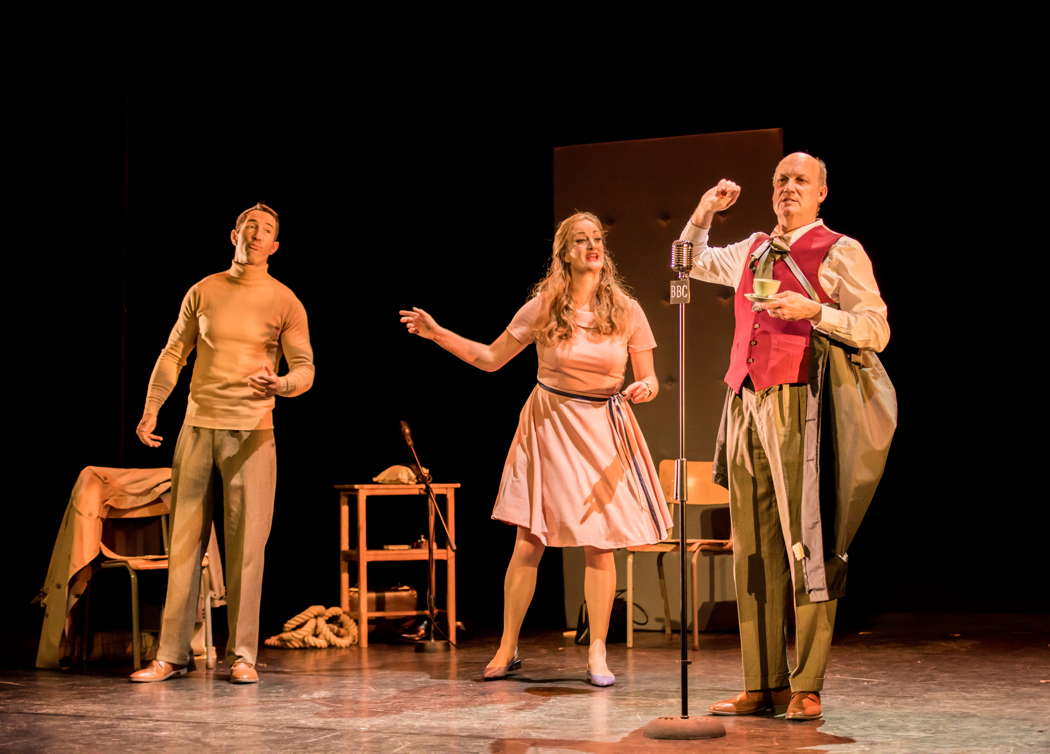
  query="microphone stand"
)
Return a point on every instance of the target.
[
  {"x": 430, "y": 644},
  {"x": 682, "y": 727}
]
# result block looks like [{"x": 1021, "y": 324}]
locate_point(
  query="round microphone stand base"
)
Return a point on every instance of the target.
[
  {"x": 684, "y": 728},
  {"x": 432, "y": 645}
]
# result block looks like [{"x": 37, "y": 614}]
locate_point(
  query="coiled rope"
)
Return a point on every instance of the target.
[{"x": 317, "y": 627}]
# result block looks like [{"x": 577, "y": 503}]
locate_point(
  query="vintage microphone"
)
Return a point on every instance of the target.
[
  {"x": 683, "y": 726},
  {"x": 430, "y": 644},
  {"x": 406, "y": 433}
]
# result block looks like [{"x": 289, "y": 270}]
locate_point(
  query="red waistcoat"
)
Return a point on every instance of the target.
[{"x": 774, "y": 351}]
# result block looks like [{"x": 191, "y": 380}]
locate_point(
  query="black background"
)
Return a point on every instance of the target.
[{"x": 118, "y": 205}]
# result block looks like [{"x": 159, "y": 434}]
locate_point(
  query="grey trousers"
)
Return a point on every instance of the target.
[
  {"x": 765, "y": 457},
  {"x": 247, "y": 463}
]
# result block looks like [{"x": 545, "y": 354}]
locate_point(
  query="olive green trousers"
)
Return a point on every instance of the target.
[{"x": 764, "y": 434}]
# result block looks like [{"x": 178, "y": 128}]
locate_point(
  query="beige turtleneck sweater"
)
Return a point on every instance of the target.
[{"x": 240, "y": 321}]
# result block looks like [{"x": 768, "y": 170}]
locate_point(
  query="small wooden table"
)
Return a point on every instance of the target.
[{"x": 363, "y": 556}]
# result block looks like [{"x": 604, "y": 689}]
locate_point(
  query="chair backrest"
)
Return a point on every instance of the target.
[
  {"x": 701, "y": 490},
  {"x": 136, "y": 537}
]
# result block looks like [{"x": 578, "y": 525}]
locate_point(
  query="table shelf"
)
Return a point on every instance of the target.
[{"x": 398, "y": 555}]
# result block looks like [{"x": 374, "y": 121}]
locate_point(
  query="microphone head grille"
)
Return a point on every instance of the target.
[{"x": 681, "y": 255}]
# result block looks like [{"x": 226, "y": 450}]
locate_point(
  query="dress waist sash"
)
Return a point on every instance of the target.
[{"x": 577, "y": 396}]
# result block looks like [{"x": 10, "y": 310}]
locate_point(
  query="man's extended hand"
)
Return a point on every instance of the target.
[
  {"x": 789, "y": 305},
  {"x": 264, "y": 384},
  {"x": 719, "y": 197},
  {"x": 144, "y": 431}
]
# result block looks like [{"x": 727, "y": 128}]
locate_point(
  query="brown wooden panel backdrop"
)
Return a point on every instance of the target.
[{"x": 645, "y": 191}]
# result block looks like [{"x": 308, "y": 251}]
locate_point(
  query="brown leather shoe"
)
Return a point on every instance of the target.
[
  {"x": 765, "y": 702},
  {"x": 243, "y": 672},
  {"x": 805, "y": 705},
  {"x": 158, "y": 670}
]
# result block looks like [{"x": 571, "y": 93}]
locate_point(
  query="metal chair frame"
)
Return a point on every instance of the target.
[
  {"x": 709, "y": 497},
  {"x": 157, "y": 563}
]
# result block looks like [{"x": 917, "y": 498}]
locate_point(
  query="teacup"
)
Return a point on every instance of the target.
[{"x": 766, "y": 287}]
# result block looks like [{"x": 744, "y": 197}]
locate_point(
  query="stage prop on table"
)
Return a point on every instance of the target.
[{"x": 398, "y": 475}]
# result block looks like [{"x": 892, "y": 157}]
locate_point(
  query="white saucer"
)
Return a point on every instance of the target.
[{"x": 755, "y": 298}]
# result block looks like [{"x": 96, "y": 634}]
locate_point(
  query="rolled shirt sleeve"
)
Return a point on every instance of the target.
[
  {"x": 716, "y": 264},
  {"x": 848, "y": 278}
]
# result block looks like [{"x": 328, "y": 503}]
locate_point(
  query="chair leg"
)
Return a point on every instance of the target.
[
  {"x": 630, "y": 599},
  {"x": 136, "y": 637},
  {"x": 694, "y": 590},
  {"x": 209, "y": 650},
  {"x": 663, "y": 593},
  {"x": 84, "y": 649}
]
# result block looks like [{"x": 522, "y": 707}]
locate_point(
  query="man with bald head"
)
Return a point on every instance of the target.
[
  {"x": 241, "y": 322},
  {"x": 826, "y": 285}
]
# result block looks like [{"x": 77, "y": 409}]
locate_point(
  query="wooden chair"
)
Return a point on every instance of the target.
[{"x": 701, "y": 492}]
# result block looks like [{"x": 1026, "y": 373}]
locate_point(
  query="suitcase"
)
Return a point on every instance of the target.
[{"x": 395, "y": 598}]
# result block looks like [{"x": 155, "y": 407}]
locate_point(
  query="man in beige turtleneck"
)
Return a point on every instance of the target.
[{"x": 241, "y": 322}]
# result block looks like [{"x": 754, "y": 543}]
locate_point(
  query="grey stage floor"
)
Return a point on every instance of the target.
[{"x": 950, "y": 684}]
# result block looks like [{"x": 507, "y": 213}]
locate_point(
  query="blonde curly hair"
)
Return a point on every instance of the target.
[{"x": 611, "y": 299}]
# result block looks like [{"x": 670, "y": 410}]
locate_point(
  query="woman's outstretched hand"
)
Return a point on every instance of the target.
[{"x": 418, "y": 322}]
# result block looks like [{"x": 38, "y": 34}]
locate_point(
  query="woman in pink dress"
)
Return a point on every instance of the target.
[{"x": 578, "y": 472}]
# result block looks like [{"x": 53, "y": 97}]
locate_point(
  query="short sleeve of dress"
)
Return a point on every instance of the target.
[
  {"x": 641, "y": 334},
  {"x": 524, "y": 322}
]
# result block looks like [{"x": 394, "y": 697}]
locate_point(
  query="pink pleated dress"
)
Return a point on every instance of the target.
[{"x": 578, "y": 471}]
